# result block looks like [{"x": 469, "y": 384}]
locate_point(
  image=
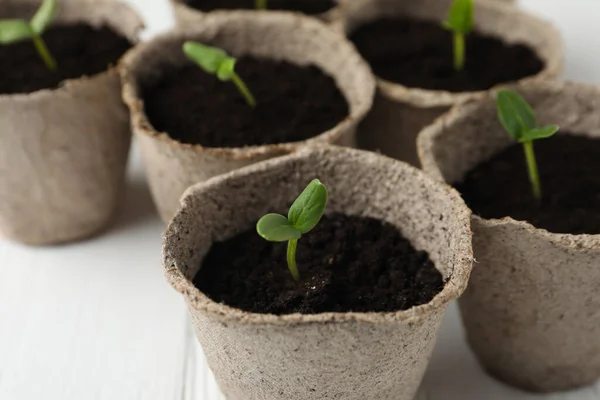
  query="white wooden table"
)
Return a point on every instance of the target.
[{"x": 97, "y": 321}]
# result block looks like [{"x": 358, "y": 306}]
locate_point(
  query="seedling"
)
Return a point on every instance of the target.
[
  {"x": 460, "y": 22},
  {"x": 260, "y": 4},
  {"x": 518, "y": 118},
  {"x": 16, "y": 30},
  {"x": 304, "y": 214},
  {"x": 217, "y": 62}
]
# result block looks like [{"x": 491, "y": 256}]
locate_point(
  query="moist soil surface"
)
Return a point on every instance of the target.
[
  {"x": 419, "y": 54},
  {"x": 79, "y": 50},
  {"x": 293, "y": 104},
  {"x": 346, "y": 264},
  {"x": 569, "y": 168},
  {"x": 304, "y": 6}
]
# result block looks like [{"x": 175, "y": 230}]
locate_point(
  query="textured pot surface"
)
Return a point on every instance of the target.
[
  {"x": 532, "y": 309},
  {"x": 399, "y": 112},
  {"x": 347, "y": 356},
  {"x": 63, "y": 151},
  {"x": 172, "y": 166}
]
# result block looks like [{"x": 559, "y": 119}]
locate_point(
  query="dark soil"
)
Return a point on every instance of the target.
[
  {"x": 419, "y": 54},
  {"x": 569, "y": 168},
  {"x": 294, "y": 103},
  {"x": 346, "y": 264},
  {"x": 79, "y": 50},
  {"x": 304, "y": 6}
]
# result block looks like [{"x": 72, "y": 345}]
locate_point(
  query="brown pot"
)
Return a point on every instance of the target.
[
  {"x": 532, "y": 309},
  {"x": 399, "y": 112},
  {"x": 350, "y": 356},
  {"x": 63, "y": 151},
  {"x": 172, "y": 166}
]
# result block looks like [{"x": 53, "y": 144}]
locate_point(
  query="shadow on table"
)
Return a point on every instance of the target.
[{"x": 138, "y": 207}]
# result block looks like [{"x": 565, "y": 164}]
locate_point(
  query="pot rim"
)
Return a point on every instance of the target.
[
  {"x": 141, "y": 122},
  {"x": 453, "y": 287},
  {"x": 419, "y": 97},
  {"x": 73, "y": 84},
  {"x": 580, "y": 243},
  {"x": 327, "y": 15},
  {"x": 427, "y": 137}
]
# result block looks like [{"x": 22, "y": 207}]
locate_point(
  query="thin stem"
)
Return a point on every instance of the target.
[
  {"x": 534, "y": 176},
  {"x": 44, "y": 53},
  {"x": 260, "y": 4},
  {"x": 291, "y": 259},
  {"x": 459, "y": 51},
  {"x": 243, "y": 90}
]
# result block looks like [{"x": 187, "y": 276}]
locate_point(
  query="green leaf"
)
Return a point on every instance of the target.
[
  {"x": 226, "y": 70},
  {"x": 43, "y": 16},
  {"x": 539, "y": 133},
  {"x": 208, "y": 58},
  {"x": 307, "y": 210},
  {"x": 14, "y": 30},
  {"x": 277, "y": 228},
  {"x": 460, "y": 17},
  {"x": 515, "y": 114}
]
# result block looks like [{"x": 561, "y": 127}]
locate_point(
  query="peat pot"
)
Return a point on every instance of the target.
[
  {"x": 400, "y": 112},
  {"x": 532, "y": 309},
  {"x": 172, "y": 166},
  {"x": 347, "y": 356},
  {"x": 63, "y": 150}
]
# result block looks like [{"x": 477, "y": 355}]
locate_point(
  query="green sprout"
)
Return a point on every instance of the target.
[
  {"x": 303, "y": 216},
  {"x": 16, "y": 30},
  {"x": 460, "y": 22},
  {"x": 518, "y": 119},
  {"x": 217, "y": 62},
  {"x": 260, "y": 4}
]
